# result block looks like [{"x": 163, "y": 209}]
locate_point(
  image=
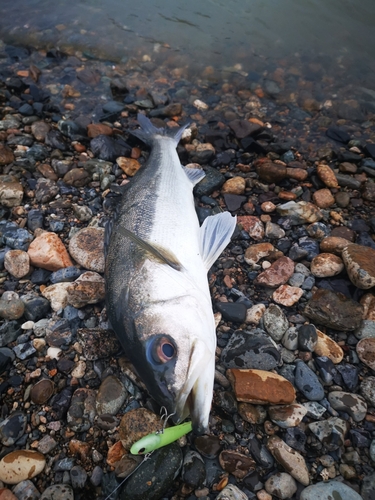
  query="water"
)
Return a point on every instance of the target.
[{"x": 221, "y": 33}]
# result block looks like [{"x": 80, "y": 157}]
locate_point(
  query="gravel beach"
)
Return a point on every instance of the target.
[{"x": 291, "y": 152}]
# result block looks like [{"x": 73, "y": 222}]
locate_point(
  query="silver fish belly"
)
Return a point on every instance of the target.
[{"x": 157, "y": 293}]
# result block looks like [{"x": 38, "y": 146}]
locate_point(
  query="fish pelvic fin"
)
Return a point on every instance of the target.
[
  {"x": 194, "y": 175},
  {"x": 159, "y": 253},
  {"x": 148, "y": 131},
  {"x": 215, "y": 234}
]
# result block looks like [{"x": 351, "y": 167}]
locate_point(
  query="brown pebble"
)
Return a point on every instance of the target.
[{"x": 42, "y": 391}]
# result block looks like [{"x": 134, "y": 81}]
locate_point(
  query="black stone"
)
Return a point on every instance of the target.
[
  {"x": 349, "y": 374},
  {"x": 35, "y": 219},
  {"x": 338, "y": 134},
  {"x": 26, "y": 109},
  {"x": 56, "y": 140},
  {"x": 208, "y": 446},
  {"x": 108, "y": 149},
  {"x": 211, "y": 182},
  {"x": 370, "y": 150},
  {"x": 360, "y": 438},
  {"x": 326, "y": 368},
  {"x": 155, "y": 476},
  {"x": 65, "y": 275},
  {"x": 36, "y": 308},
  {"x": 40, "y": 276},
  {"x": 295, "y": 438},
  {"x": 252, "y": 146},
  {"x": 260, "y": 453},
  {"x": 38, "y": 152},
  {"x": 307, "y": 337},
  {"x": 232, "y": 311},
  {"x": 193, "y": 470},
  {"x": 9, "y": 332},
  {"x": 234, "y": 201}
]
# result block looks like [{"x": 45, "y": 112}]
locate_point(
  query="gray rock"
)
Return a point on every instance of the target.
[
  {"x": 367, "y": 389},
  {"x": 352, "y": 404},
  {"x": 193, "y": 470},
  {"x": 12, "y": 428},
  {"x": 82, "y": 410},
  {"x": 58, "y": 492},
  {"x": 297, "y": 279},
  {"x": 78, "y": 477},
  {"x": 231, "y": 492},
  {"x": 281, "y": 485},
  {"x": 26, "y": 490},
  {"x": 111, "y": 396},
  {"x": 96, "y": 476},
  {"x": 366, "y": 329},
  {"x": 275, "y": 322},
  {"x": 213, "y": 180},
  {"x": 307, "y": 338},
  {"x": 372, "y": 450},
  {"x": 331, "y": 489},
  {"x": 368, "y": 487},
  {"x": 314, "y": 409},
  {"x": 330, "y": 432},
  {"x": 307, "y": 382},
  {"x": 290, "y": 339},
  {"x": 46, "y": 444},
  {"x": 155, "y": 476},
  {"x": 250, "y": 349}
]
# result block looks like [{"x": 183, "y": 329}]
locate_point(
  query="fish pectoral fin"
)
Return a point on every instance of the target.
[
  {"x": 215, "y": 234},
  {"x": 195, "y": 175},
  {"x": 159, "y": 253}
]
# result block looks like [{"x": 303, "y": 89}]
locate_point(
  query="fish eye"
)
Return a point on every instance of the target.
[{"x": 163, "y": 349}]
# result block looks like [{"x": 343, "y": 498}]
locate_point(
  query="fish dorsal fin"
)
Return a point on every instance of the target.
[
  {"x": 195, "y": 175},
  {"x": 161, "y": 254},
  {"x": 215, "y": 234}
]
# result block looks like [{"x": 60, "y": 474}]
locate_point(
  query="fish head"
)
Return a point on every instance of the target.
[{"x": 175, "y": 357}]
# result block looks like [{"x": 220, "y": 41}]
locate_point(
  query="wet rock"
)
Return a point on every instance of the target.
[
  {"x": 231, "y": 492},
  {"x": 300, "y": 213},
  {"x": 208, "y": 446},
  {"x": 326, "y": 175},
  {"x": 366, "y": 352},
  {"x": 108, "y": 149},
  {"x": 296, "y": 438},
  {"x": 331, "y": 432},
  {"x": 56, "y": 140},
  {"x": 12, "y": 428},
  {"x": 288, "y": 415},
  {"x": 20, "y": 465},
  {"x": 212, "y": 181},
  {"x": 36, "y": 307},
  {"x": 46, "y": 190},
  {"x": 40, "y": 129},
  {"x": 255, "y": 314},
  {"x": 323, "y": 198},
  {"x": 334, "y": 310},
  {"x": 333, "y": 489},
  {"x": 48, "y": 252},
  {"x": 352, "y": 404},
  {"x": 77, "y": 177},
  {"x": 308, "y": 383},
  {"x": 128, "y": 165},
  {"x": 89, "y": 288},
  {"x": 6, "y": 494},
  {"x": 12, "y": 308},
  {"x": 256, "y": 252},
  {"x": 360, "y": 265},
  {"x": 82, "y": 212},
  {"x": 287, "y": 295},
  {"x": 78, "y": 477},
  {"x": 307, "y": 338},
  {"x": 329, "y": 348},
  {"x": 325, "y": 265},
  {"x": 95, "y": 129},
  {"x": 367, "y": 389},
  {"x": 98, "y": 343},
  {"x": 275, "y": 322},
  {"x": 58, "y": 492},
  {"x": 82, "y": 410},
  {"x": 87, "y": 248},
  {"x": 194, "y": 470},
  {"x": 250, "y": 350},
  {"x": 6, "y": 155},
  {"x": 236, "y": 185},
  {"x": 235, "y": 463},
  {"x": 368, "y": 191},
  {"x": 252, "y": 225},
  {"x": 11, "y": 191},
  {"x": 57, "y": 295},
  {"x": 254, "y": 414},
  {"x": 232, "y": 311},
  {"x": 258, "y": 386},
  {"x": 17, "y": 263},
  {"x": 278, "y": 274},
  {"x": 65, "y": 275},
  {"x": 111, "y": 396},
  {"x": 137, "y": 423},
  {"x": 281, "y": 485},
  {"x": 26, "y": 489},
  {"x": 314, "y": 409},
  {"x": 291, "y": 460},
  {"x": 333, "y": 244},
  {"x": 155, "y": 476},
  {"x": 42, "y": 391}
]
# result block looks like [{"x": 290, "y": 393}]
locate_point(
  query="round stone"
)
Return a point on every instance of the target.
[
  {"x": 360, "y": 265},
  {"x": 325, "y": 265},
  {"x": 366, "y": 351},
  {"x": 281, "y": 485},
  {"x": 20, "y": 465},
  {"x": 42, "y": 391},
  {"x": 17, "y": 263},
  {"x": 87, "y": 248},
  {"x": 111, "y": 396},
  {"x": 330, "y": 489}
]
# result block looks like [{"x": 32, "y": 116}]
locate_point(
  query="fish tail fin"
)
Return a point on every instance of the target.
[{"x": 148, "y": 131}]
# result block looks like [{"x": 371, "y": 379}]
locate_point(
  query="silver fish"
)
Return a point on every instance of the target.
[{"x": 158, "y": 299}]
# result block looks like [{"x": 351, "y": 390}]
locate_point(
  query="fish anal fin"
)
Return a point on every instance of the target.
[
  {"x": 157, "y": 252},
  {"x": 195, "y": 175},
  {"x": 215, "y": 234}
]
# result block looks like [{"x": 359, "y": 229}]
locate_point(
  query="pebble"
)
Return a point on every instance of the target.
[
  {"x": 17, "y": 263},
  {"x": 82, "y": 410},
  {"x": 258, "y": 251},
  {"x": 20, "y": 465},
  {"x": 89, "y": 288},
  {"x": 255, "y": 314},
  {"x": 367, "y": 389},
  {"x": 87, "y": 248},
  {"x": 58, "y": 492},
  {"x": 366, "y": 352},
  {"x": 287, "y": 295},
  {"x": 231, "y": 492},
  {"x": 301, "y": 212},
  {"x": 307, "y": 382},
  {"x": 111, "y": 396},
  {"x": 42, "y": 391},
  {"x": 252, "y": 225},
  {"x": 291, "y": 460},
  {"x": 323, "y": 198},
  {"x": 326, "y": 175},
  {"x": 258, "y": 386},
  {"x": 193, "y": 470},
  {"x": 155, "y": 476},
  {"x": 333, "y": 310},
  {"x": 360, "y": 265},
  {"x": 254, "y": 414},
  {"x": 237, "y": 464},
  {"x": 46, "y": 445},
  {"x": 11, "y": 191},
  {"x": 236, "y": 185},
  {"x": 234, "y": 312},
  {"x": 288, "y": 415},
  {"x": 275, "y": 322},
  {"x": 330, "y": 489},
  {"x": 57, "y": 295},
  {"x": 252, "y": 349},
  {"x": 26, "y": 489},
  {"x": 325, "y": 346},
  {"x": 137, "y": 423},
  {"x": 278, "y": 274},
  {"x": 11, "y": 309},
  {"x": 6, "y": 494},
  {"x": 78, "y": 477},
  {"x": 48, "y": 252},
  {"x": 326, "y": 265},
  {"x": 365, "y": 330},
  {"x": 331, "y": 432},
  {"x": 12, "y": 428},
  {"x": 352, "y": 404},
  {"x": 281, "y": 485},
  {"x": 307, "y": 338},
  {"x": 208, "y": 446}
]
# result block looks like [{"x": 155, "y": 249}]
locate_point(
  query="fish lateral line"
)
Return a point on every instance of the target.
[
  {"x": 160, "y": 254},
  {"x": 161, "y": 438}
]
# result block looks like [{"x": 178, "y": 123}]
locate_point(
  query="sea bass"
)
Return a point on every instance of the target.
[{"x": 157, "y": 293}]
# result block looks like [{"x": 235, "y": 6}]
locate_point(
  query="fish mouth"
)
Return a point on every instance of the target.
[{"x": 195, "y": 396}]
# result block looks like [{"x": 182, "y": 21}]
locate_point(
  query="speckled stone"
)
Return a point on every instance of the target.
[
  {"x": 360, "y": 265},
  {"x": 352, "y": 404},
  {"x": 291, "y": 460},
  {"x": 111, "y": 396},
  {"x": 87, "y": 248},
  {"x": 330, "y": 489}
]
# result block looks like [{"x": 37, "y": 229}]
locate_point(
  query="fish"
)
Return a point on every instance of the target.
[{"x": 157, "y": 293}]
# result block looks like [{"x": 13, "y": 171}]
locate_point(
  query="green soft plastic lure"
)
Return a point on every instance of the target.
[{"x": 156, "y": 440}]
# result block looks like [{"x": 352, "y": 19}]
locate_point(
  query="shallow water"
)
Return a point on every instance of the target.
[{"x": 218, "y": 32}]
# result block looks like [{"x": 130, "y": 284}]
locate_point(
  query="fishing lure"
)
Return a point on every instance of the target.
[{"x": 156, "y": 440}]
